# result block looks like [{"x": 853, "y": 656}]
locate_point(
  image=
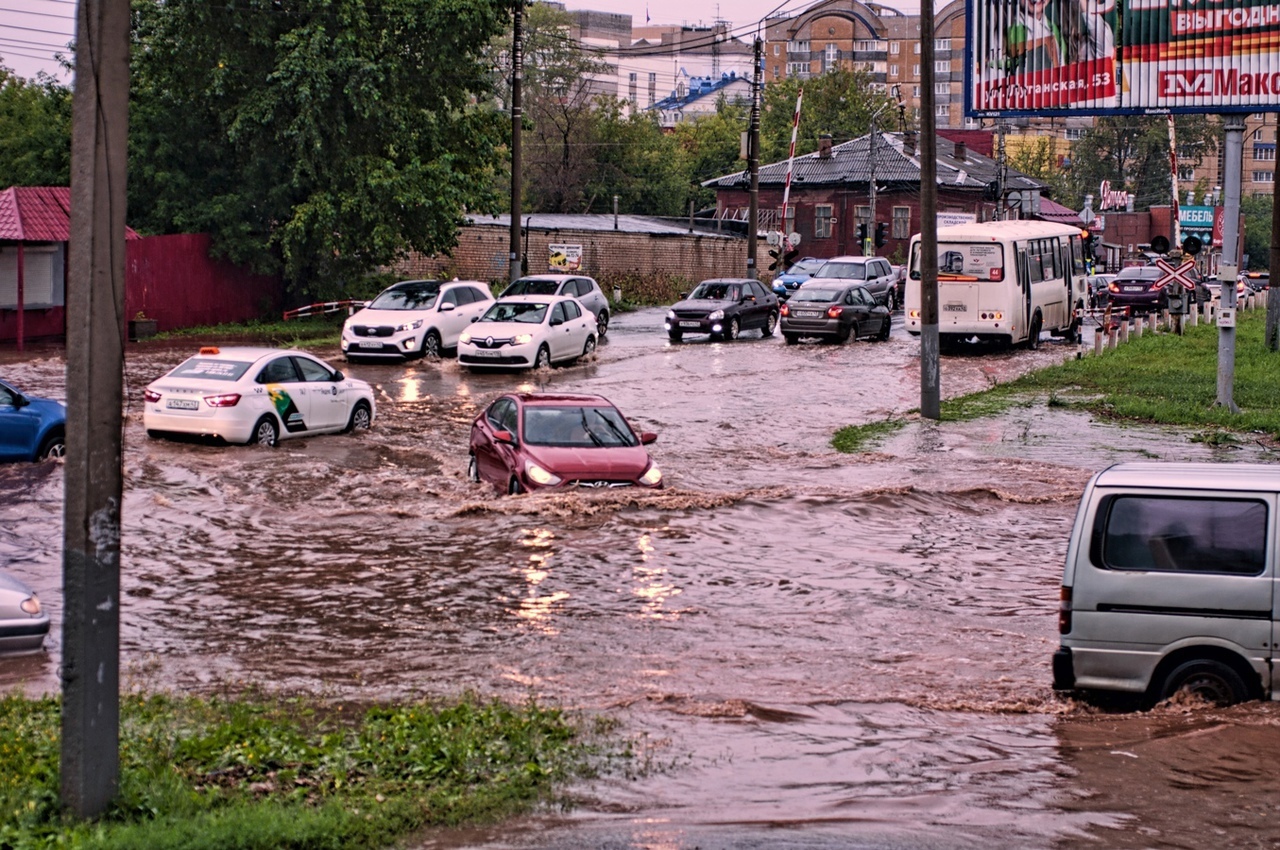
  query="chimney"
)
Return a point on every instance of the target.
[
  {"x": 962, "y": 151},
  {"x": 824, "y": 146},
  {"x": 909, "y": 143}
]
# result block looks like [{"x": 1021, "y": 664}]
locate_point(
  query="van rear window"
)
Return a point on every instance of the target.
[{"x": 1159, "y": 533}]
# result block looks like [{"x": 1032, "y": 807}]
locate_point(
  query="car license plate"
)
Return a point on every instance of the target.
[
  {"x": 1134, "y": 288},
  {"x": 182, "y": 404},
  {"x": 807, "y": 314},
  {"x": 371, "y": 345},
  {"x": 956, "y": 308},
  {"x": 691, "y": 324},
  {"x": 484, "y": 352}
]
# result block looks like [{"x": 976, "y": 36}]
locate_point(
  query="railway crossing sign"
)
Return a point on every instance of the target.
[{"x": 1171, "y": 275}]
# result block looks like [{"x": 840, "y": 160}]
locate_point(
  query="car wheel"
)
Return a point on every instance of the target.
[
  {"x": 844, "y": 334},
  {"x": 675, "y": 336},
  {"x": 265, "y": 433},
  {"x": 590, "y": 347},
  {"x": 513, "y": 487},
  {"x": 1033, "y": 338},
  {"x": 473, "y": 469},
  {"x": 883, "y": 336},
  {"x": 602, "y": 323},
  {"x": 770, "y": 324},
  {"x": 1210, "y": 680},
  {"x": 731, "y": 331},
  {"x": 543, "y": 360},
  {"x": 54, "y": 445},
  {"x": 361, "y": 417},
  {"x": 891, "y": 300},
  {"x": 791, "y": 339},
  {"x": 431, "y": 345}
]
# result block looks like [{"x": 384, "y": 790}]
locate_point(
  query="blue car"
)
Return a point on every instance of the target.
[
  {"x": 800, "y": 271},
  {"x": 31, "y": 428}
]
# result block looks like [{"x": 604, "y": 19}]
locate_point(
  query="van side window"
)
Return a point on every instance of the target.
[{"x": 1169, "y": 534}]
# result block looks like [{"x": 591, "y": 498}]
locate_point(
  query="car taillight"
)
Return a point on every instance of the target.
[
  {"x": 1064, "y": 611},
  {"x": 1113, "y": 287},
  {"x": 227, "y": 400},
  {"x": 784, "y": 310},
  {"x": 151, "y": 395},
  {"x": 834, "y": 311}
]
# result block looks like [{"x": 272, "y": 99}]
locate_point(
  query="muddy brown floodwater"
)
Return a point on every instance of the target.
[{"x": 810, "y": 649}]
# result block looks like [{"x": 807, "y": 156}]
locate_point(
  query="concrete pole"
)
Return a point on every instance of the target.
[
  {"x": 95, "y": 367},
  {"x": 1229, "y": 265},
  {"x": 517, "y": 131},
  {"x": 930, "y": 361},
  {"x": 753, "y": 164}
]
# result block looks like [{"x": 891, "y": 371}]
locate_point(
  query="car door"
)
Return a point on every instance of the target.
[
  {"x": 579, "y": 324},
  {"x": 288, "y": 394},
  {"x": 480, "y": 301},
  {"x": 493, "y": 459},
  {"x": 864, "y": 308},
  {"x": 590, "y": 296},
  {"x": 450, "y": 318},
  {"x": 329, "y": 398},
  {"x": 764, "y": 305},
  {"x": 17, "y": 428}
]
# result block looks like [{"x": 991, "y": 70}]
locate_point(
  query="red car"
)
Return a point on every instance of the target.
[{"x": 531, "y": 441}]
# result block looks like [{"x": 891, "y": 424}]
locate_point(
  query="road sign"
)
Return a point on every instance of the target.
[{"x": 1171, "y": 275}]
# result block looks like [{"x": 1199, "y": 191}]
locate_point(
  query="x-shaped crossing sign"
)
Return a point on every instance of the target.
[{"x": 1181, "y": 274}]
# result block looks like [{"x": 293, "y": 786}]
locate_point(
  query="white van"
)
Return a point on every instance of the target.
[{"x": 1169, "y": 583}]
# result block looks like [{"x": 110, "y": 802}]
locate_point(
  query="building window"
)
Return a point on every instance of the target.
[
  {"x": 797, "y": 69},
  {"x": 915, "y": 71},
  {"x": 915, "y": 113},
  {"x": 942, "y": 110},
  {"x": 942, "y": 66},
  {"x": 879, "y": 88},
  {"x": 777, "y": 71},
  {"x": 797, "y": 47},
  {"x": 832, "y": 56},
  {"x": 942, "y": 44},
  {"x": 915, "y": 91},
  {"x": 917, "y": 48},
  {"x": 867, "y": 46},
  {"x": 1264, "y": 177},
  {"x": 894, "y": 48},
  {"x": 863, "y": 215},
  {"x": 653, "y": 87},
  {"x": 942, "y": 88},
  {"x": 1186, "y": 174},
  {"x": 822, "y": 221},
  {"x": 1264, "y": 153},
  {"x": 901, "y": 222},
  {"x": 893, "y": 70},
  {"x": 789, "y": 226},
  {"x": 972, "y": 123},
  {"x": 777, "y": 48},
  {"x": 1074, "y": 134},
  {"x": 633, "y": 88}
]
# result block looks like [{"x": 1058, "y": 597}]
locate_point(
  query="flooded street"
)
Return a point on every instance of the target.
[{"x": 812, "y": 650}]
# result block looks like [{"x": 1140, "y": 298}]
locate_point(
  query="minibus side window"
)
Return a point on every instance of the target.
[{"x": 1178, "y": 534}]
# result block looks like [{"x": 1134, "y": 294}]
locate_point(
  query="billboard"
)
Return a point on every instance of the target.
[{"x": 1122, "y": 57}]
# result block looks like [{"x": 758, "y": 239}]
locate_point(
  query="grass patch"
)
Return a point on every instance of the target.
[
  {"x": 252, "y": 772},
  {"x": 297, "y": 333},
  {"x": 859, "y": 438}
]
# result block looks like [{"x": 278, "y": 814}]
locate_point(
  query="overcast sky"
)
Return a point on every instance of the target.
[{"x": 32, "y": 31}]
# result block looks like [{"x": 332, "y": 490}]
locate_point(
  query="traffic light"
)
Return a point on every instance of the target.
[
  {"x": 1192, "y": 245},
  {"x": 1086, "y": 240},
  {"x": 862, "y": 234},
  {"x": 882, "y": 234}
]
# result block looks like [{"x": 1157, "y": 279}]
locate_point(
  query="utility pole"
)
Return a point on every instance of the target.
[
  {"x": 1229, "y": 265},
  {"x": 1002, "y": 171},
  {"x": 930, "y": 366},
  {"x": 92, "y": 476},
  {"x": 753, "y": 164},
  {"x": 871, "y": 201},
  {"x": 517, "y": 127}
]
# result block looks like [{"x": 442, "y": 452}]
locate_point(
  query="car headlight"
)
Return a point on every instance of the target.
[
  {"x": 716, "y": 314},
  {"x": 410, "y": 326},
  {"x": 671, "y": 314},
  {"x": 466, "y": 337},
  {"x": 651, "y": 476},
  {"x": 31, "y": 605},
  {"x": 538, "y": 475},
  {"x": 522, "y": 339}
]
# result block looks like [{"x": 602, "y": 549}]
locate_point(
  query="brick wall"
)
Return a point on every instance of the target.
[{"x": 610, "y": 256}]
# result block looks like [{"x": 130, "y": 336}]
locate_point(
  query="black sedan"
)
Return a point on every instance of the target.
[
  {"x": 835, "y": 312},
  {"x": 723, "y": 308}
]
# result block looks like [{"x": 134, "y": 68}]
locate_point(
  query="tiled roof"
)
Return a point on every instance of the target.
[
  {"x": 1053, "y": 211},
  {"x": 38, "y": 214},
  {"x": 583, "y": 221}
]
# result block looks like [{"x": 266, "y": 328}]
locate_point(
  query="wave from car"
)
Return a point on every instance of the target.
[
  {"x": 723, "y": 307},
  {"x": 531, "y": 441},
  {"x": 23, "y": 622},
  {"x": 581, "y": 287},
  {"x": 31, "y": 428},
  {"x": 415, "y": 318},
  {"x": 256, "y": 395},
  {"x": 526, "y": 331}
]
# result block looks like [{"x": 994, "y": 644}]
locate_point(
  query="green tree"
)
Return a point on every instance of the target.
[
  {"x": 318, "y": 138},
  {"x": 1132, "y": 152},
  {"x": 839, "y": 103},
  {"x": 711, "y": 146},
  {"x": 1257, "y": 229},
  {"x": 644, "y": 167},
  {"x": 1039, "y": 159},
  {"x": 35, "y": 131}
]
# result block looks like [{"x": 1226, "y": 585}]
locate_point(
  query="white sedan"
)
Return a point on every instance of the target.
[
  {"x": 256, "y": 395},
  {"x": 529, "y": 330}
]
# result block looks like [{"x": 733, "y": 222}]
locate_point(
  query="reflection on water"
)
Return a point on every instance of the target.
[{"x": 842, "y": 647}]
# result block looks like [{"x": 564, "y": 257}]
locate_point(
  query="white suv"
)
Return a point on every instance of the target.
[
  {"x": 875, "y": 273},
  {"x": 415, "y": 318}
]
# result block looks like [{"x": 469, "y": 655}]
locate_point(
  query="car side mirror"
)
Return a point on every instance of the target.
[
  {"x": 747, "y": 298},
  {"x": 556, "y": 320},
  {"x": 504, "y": 437},
  {"x": 444, "y": 308},
  {"x": 338, "y": 376},
  {"x": 475, "y": 318},
  {"x": 20, "y": 401},
  {"x": 647, "y": 437},
  {"x": 683, "y": 295}
]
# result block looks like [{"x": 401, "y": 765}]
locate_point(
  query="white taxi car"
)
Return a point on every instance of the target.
[
  {"x": 529, "y": 331},
  {"x": 256, "y": 395},
  {"x": 415, "y": 318}
]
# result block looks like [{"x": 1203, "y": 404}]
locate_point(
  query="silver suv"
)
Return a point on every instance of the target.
[
  {"x": 875, "y": 273},
  {"x": 581, "y": 287}
]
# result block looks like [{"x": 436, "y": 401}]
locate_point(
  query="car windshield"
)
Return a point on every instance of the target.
[
  {"x": 845, "y": 271},
  {"x": 805, "y": 267},
  {"x": 823, "y": 295},
  {"x": 533, "y": 287},
  {"x": 715, "y": 290},
  {"x": 211, "y": 370},
  {"x": 419, "y": 295},
  {"x": 525, "y": 312},
  {"x": 582, "y": 426}
]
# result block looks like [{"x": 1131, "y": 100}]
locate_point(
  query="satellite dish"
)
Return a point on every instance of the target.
[
  {"x": 793, "y": 239},
  {"x": 774, "y": 238}
]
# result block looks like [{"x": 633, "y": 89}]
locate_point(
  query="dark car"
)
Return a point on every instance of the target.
[
  {"x": 875, "y": 273},
  {"x": 723, "y": 308},
  {"x": 530, "y": 441},
  {"x": 31, "y": 428},
  {"x": 1257, "y": 281},
  {"x": 834, "y": 312},
  {"x": 1146, "y": 289}
]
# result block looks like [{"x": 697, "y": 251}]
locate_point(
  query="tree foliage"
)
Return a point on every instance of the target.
[
  {"x": 1257, "y": 229},
  {"x": 35, "y": 131},
  {"x": 1132, "y": 152},
  {"x": 840, "y": 103},
  {"x": 316, "y": 138}
]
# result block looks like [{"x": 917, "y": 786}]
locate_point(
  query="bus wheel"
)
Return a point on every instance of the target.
[{"x": 1033, "y": 338}]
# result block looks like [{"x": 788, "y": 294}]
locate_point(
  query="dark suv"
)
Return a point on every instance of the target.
[{"x": 1139, "y": 289}]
